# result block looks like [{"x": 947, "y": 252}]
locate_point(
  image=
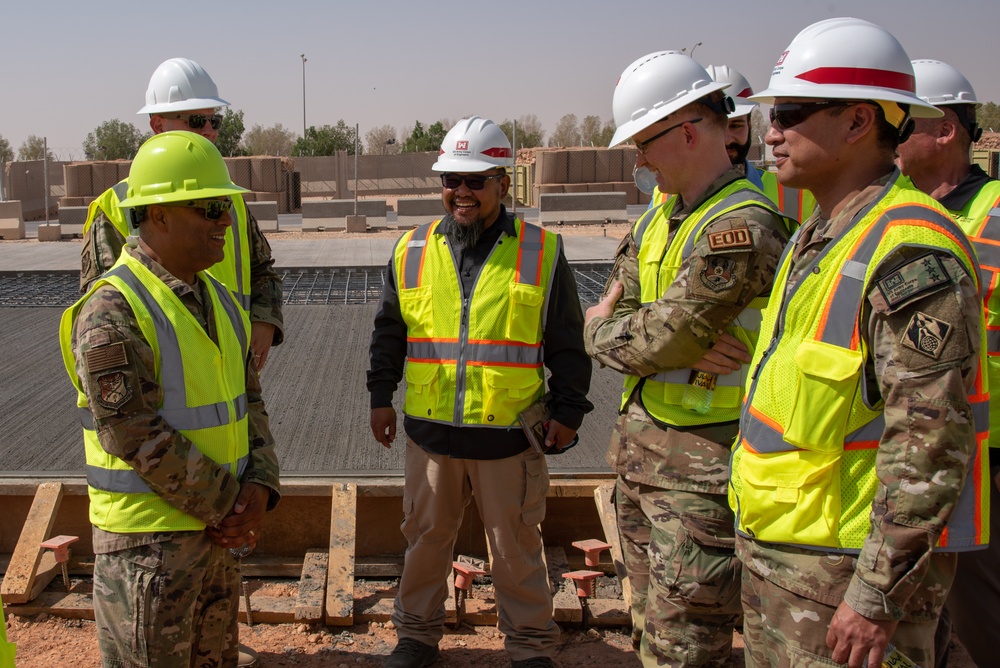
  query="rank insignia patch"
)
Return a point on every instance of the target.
[
  {"x": 927, "y": 335},
  {"x": 114, "y": 390},
  {"x": 718, "y": 273},
  {"x": 913, "y": 278},
  {"x": 738, "y": 237}
]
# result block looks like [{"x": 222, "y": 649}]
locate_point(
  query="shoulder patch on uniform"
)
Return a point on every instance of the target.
[
  {"x": 916, "y": 276},
  {"x": 926, "y": 334},
  {"x": 737, "y": 237},
  {"x": 115, "y": 390},
  {"x": 717, "y": 274},
  {"x": 106, "y": 357}
]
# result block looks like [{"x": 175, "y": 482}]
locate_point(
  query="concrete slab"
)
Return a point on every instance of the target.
[{"x": 582, "y": 208}]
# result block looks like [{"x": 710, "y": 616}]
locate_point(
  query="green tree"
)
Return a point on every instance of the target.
[
  {"x": 230, "y": 133},
  {"x": 326, "y": 140},
  {"x": 529, "y": 131},
  {"x": 6, "y": 152},
  {"x": 33, "y": 148},
  {"x": 567, "y": 132},
  {"x": 592, "y": 133},
  {"x": 113, "y": 140},
  {"x": 426, "y": 140},
  {"x": 275, "y": 140},
  {"x": 988, "y": 117},
  {"x": 382, "y": 141}
]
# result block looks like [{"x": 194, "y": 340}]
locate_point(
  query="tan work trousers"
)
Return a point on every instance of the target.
[{"x": 510, "y": 494}]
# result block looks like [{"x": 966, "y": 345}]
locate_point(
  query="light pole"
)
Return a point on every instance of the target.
[
  {"x": 693, "y": 48},
  {"x": 304, "y": 59}
]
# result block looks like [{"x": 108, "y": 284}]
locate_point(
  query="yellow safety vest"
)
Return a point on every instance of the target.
[
  {"x": 204, "y": 395},
  {"x": 980, "y": 219},
  {"x": 475, "y": 361},
  {"x": 803, "y": 470},
  {"x": 233, "y": 271},
  {"x": 659, "y": 262},
  {"x": 7, "y": 649}
]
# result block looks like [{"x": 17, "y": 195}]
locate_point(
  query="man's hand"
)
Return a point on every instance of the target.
[
  {"x": 727, "y": 355},
  {"x": 606, "y": 306},
  {"x": 558, "y": 435},
  {"x": 245, "y": 521},
  {"x": 854, "y": 638},
  {"x": 383, "y": 423},
  {"x": 261, "y": 337}
]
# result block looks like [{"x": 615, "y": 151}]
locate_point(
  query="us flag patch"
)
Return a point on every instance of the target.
[{"x": 106, "y": 357}]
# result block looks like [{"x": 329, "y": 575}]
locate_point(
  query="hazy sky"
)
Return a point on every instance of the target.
[{"x": 70, "y": 65}]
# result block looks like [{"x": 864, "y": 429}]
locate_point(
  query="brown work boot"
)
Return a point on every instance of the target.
[
  {"x": 248, "y": 658},
  {"x": 410, "y": 653}
]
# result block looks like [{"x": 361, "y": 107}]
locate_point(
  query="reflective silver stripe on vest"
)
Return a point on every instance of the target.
[
  {"x": 529, "y": 266},
  {"x": 497, "y": 352},
  {"x": 989, "y": 255},
  {"x": 411, "y": 270},
  {"x": 792, "y": 200},
  {"x": 175, "y": 409},
  {"x": 993, "y": 341},
  {"x": 232, "y": 310},
  {"x": 740, "y": 197},
  {"x": 127, "y": 481},
  {"x": 120, "y": 190},
  {"x": 86, "y": 418},
  {"x": 241, "y": 291},
  {"x": 643, "y": 225}
]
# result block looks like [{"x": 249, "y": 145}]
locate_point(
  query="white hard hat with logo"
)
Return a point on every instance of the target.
[
  {"x": 474, "y": 145},
  {"x": 846, "y": 59},
  {"x": 180, "y": 84},
  {"x": 739, "y": 88},
  {"x": 655, "y": 86}
]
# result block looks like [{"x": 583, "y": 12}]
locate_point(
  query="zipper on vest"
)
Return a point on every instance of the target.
[{"x": 460, "y": 374}]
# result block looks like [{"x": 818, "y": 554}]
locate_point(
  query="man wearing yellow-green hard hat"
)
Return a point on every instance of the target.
[{"x": 180, "y": 459}]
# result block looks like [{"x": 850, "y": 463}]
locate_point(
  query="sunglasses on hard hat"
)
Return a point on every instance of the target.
[
  {"x": 473, "y": 181},
  {"x": 786, "y": 115},
  {"x": 213, "y": 209},
  {"x": 197, "y": 121}
]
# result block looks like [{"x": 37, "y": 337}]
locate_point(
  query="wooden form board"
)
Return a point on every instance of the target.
[
  {"x": 340, "y": 569},
  {"x": 604, "y": 498},
  {"x": 22, "y": 579},
  {"x": 565, "y": 603},
  {"x": 312, "y": 586}
]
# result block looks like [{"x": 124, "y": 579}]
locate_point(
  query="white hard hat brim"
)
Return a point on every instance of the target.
[
  {"x": 193, "y": 104},
  {"x": 659, "y": 112},
  {"x": 444, "y": 164},
  {"x": 918, "y": 108},
  {"x": 742, "y": 108}
]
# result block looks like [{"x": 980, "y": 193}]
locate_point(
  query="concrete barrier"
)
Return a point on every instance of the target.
[
  {"x": 266, "y": 214},
  {"x": 50, "y": 232},
  {"x": 331, "y": 214},
  {"x": 412, "y": 212},
  {"x": 582, "y": 208},
  {"x": 72, "y": 219},
  {"x": 11, "y": 220}
]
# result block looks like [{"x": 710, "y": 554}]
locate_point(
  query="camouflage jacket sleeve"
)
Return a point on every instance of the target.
[
  {"x": 710, "y": 289},
  {"x": 116, "y": 367},
  {"x": 265, "y": 283},
  {"x": 102, "y": 244},
  {"x": 925, "y": 350},
  {"x": 263, "y": 466}
]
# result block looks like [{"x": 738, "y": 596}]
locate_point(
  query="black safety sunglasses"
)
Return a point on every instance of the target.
[
  {"x": 789, "y": 114},
  {"x": 197, "y": 121},
  {"x": 213, "y": 209},
  {"x": 473, "y": 181}
]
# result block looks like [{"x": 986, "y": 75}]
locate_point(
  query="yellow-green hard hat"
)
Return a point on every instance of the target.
[{"x": 177, "y": 166}]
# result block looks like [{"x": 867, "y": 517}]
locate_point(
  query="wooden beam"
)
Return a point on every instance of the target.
[
  {"x": 312, "y": 586},
  {"x": 604, "y": 499},
  {"x": 450, "y": 607},
  {"x": 340, "y": 569},
  {"x": 20, "y": 578},
  {"x": 57, "y": 604},
  {"x": 270, "y": 609},
  {"x": 565, "y": 603}
]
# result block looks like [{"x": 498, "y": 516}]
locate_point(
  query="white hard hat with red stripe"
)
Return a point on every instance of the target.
[
  {"x": 474, "y": 145},
  {"x": 739, "y": 88},
  {"x": 846, "y": 59}
]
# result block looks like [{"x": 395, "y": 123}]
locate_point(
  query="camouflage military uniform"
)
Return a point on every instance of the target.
[
  {"x": 675, "y": 525},
  {"x": 790, "y": 593},
  {"x": 103, "y": 244},
  {"x": 189, "y": 583}
]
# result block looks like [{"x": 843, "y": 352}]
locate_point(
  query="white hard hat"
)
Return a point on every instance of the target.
[
  {"x": 846, "y": 59},
  {"x": 940, "y": 84},
  {"x": 474, "y": 145},
  {"x": 180, "y": 84},
  {"x": 739, "y": 88},
  {"x": 655, "y": 86}
]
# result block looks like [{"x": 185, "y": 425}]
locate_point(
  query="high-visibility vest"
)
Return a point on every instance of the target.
[
  {"x": 662, "y": 393},
  {"x": 7, "y": 649},
  {"x": 980, "y": 219},
  {"x": 233, "y": 271},
  {"x": 477, "y": 360},
  {"x": 204, "y": 395},
  {"x": 803, "y": 470}
]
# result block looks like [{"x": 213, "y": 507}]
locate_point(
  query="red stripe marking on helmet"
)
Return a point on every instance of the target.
[
  {"x": 860, "y": 76},
  {"x": 746, "y": 92},
  {"x": 498, "y": 152}
]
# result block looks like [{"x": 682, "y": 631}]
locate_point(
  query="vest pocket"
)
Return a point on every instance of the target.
[
  {"x": 791, "y": 497},
  {"x": 826, "y": 385},
  {"x": 524, "y": 317},
  {"x": 421, "y": 390},
  {"x": 417, "y": 308},
  {"x": 508, "y": 391}
]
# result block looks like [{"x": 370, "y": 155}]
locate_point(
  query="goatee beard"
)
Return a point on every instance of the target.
[
  {"x": 467, "y": 235},
  {"x": 742, "y": 151}
]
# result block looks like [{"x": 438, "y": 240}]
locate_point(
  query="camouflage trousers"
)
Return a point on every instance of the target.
[
  {"x": 784, "y": 630},
  {"x": 168, "y": 605},
  {"x": 678, "y": 548}
]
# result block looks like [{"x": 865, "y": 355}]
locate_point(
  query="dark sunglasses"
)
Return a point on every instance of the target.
[
  {"x": 789, "y": 114},
  {"x": 213, "y": 209},
  {"x": 643, "y": 145},
  {"x": 197, "y": 121},
  {"x": 473, "y": 181}
]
